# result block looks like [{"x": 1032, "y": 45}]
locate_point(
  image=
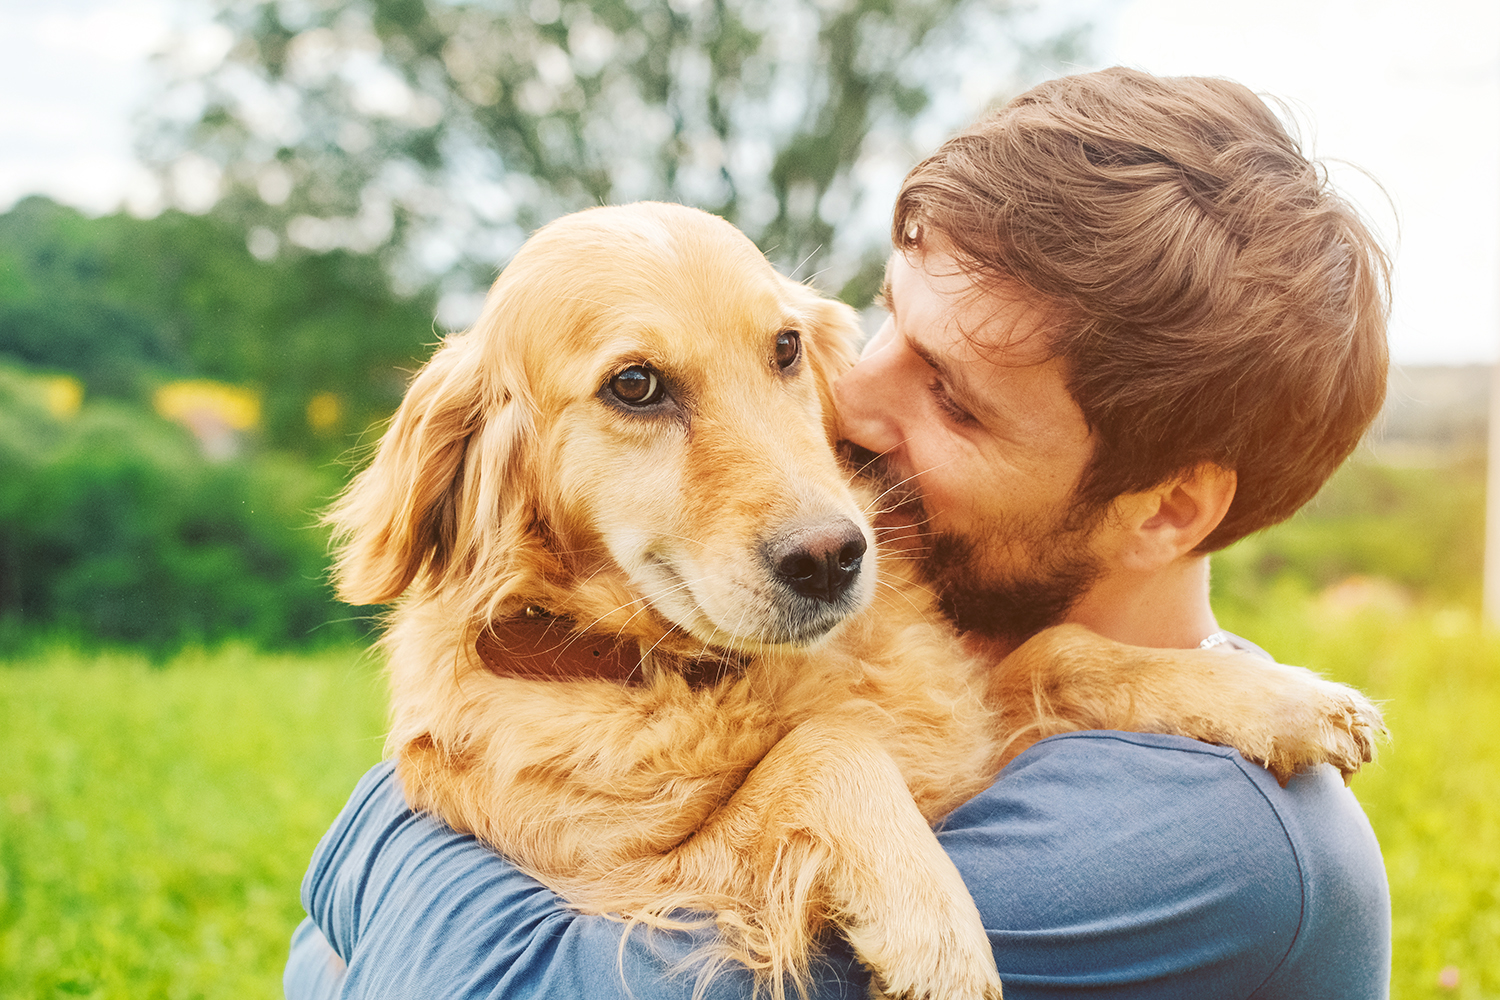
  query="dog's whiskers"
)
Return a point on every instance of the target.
[
  {"x": 810, "y": 255},
  {"x": 885, "y": 589},
  {"x": 899, "y": 484},
  {"x": 645, "y": 601},
  {"x": 692, "y": 539},
  {"x": 863, "y": 467}
]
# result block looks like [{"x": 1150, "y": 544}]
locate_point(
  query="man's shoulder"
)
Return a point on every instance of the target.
[
  {"x": 1164, "y": 782},
  {"x": 1133, "y": 858},
  {"x": 1140, "y": 804},
  {"x": 1133, "y": 815}
]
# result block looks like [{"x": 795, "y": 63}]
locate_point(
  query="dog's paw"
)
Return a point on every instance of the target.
[
  {"x": 936, "y": 954},
  {"x": 936, "y": 984},
  {"x": 1332, "y": 724}
]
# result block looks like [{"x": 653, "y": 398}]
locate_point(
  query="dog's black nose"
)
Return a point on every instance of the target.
[{"x": 821, "y": 562}]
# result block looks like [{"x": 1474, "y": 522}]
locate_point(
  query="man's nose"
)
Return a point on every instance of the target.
[
  {"x": 865, "y": 397},
  {"x": 881, "y": 340}
]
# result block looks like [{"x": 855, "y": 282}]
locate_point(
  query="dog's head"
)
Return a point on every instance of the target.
[{"x": 640, "y": 418}]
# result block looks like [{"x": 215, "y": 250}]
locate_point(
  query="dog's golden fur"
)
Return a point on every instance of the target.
[{"x": 795, "y": 791}]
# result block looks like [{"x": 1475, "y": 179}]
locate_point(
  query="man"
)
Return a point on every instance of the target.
[{"x": 1129, "y": 325}]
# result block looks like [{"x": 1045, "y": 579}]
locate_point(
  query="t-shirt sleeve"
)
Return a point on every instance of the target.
[
  {"x": 414, "y": 910},
  {"x": 1137, "y": 866}
]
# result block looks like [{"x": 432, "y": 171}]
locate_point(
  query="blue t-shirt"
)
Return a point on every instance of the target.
[{"x": 1111, "y": 865}]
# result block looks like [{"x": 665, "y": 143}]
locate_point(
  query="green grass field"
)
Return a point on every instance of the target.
[{"x": 155, "y": 820}]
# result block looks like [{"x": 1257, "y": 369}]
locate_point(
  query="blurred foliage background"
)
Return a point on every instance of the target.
[
  {"x": 437, "y": 134},
  {"x": 185, "y": 706},
  {"x": 179, "y": 395}
]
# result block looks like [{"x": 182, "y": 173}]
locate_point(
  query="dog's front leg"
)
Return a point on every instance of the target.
[
  {"x": 824, "y": 830},
  {"x": 574, "y": 780},
  {"x": 1284, "y": 718}
]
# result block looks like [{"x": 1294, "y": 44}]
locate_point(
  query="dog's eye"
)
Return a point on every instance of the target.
[
  {"x": 636, "y": 386},
  {"x": 788, "y": 348}
]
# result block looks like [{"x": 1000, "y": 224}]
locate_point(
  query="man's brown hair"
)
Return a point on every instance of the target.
[{"x": 1217, "y": 300}]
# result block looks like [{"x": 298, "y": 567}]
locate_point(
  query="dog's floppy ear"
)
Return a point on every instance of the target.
[
  {"x": 403, "y": 513},
  {"x": 831, "y": 342}
]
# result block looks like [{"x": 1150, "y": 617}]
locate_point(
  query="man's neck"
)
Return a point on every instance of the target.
[{"x": 1166, "y": 609}]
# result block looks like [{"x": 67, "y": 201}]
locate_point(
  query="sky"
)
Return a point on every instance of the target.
[{"x": 1406, "y": 91}]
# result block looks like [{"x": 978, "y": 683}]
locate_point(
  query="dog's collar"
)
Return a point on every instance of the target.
[{"x": 536, "y": 645}]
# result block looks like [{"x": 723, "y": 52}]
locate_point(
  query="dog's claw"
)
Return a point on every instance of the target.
[{"x": 1336, "y": 725}]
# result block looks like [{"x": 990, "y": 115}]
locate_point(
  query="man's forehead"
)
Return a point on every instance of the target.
[{"x": 968, "y": 320}]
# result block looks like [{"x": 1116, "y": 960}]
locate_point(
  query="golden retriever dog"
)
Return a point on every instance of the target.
[{"x": 639, "y": 644}]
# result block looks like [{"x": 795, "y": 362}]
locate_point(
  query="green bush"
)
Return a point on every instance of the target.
[
  {"x": 125, "y": 304},
  {"x": 1421, "y": 529},
  {"x": 113, "y": 526}
]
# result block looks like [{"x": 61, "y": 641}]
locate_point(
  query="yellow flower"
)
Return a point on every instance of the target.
[
  {"x": 324, "y": 411},
  {"x": 196, "y": 399},
  {"x": 63, "y": 395}
]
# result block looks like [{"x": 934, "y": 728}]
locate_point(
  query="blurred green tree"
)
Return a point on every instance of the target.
[
  {"x": 445, "y": 131},
  {"x": 126, "y": 304},
  {"x": 55, "y": 311},
  {"x": 113, "y": 527}
]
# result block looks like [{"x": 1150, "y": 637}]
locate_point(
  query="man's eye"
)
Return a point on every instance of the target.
[
  {"x": 637, "y": 386},
  {"x": 947, "y": 404}
]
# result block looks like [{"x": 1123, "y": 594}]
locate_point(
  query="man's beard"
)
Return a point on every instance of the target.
[
  {"x": 1051, "y": 570},
  {"x": 1050, "y": 562}
]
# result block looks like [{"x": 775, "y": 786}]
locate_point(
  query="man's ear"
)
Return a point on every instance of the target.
[{"x": 1167, "y": 521}]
